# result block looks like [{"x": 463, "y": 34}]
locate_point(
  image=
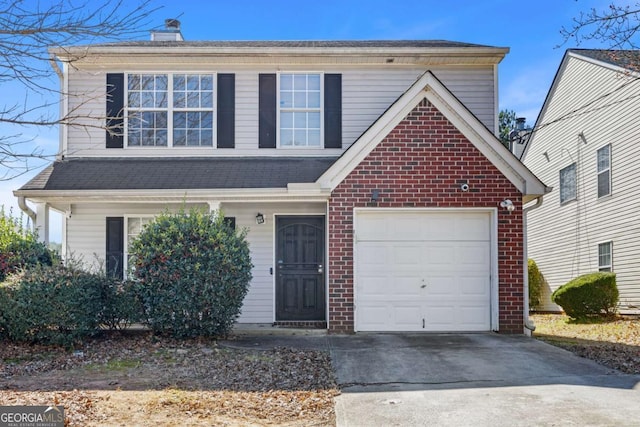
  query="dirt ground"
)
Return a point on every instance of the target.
[
  {"x": 141, "y": 380},
  {"x": 613, "y": 342}
]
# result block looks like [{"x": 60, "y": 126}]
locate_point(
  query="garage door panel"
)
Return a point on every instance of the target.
[{"x": 423, "y": 271}]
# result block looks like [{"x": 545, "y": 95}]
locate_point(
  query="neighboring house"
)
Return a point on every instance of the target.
[
  {"x": 586, "y": 145},
  {"x": 367, "y": 172}
]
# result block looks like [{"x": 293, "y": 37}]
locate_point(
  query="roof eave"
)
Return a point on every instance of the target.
[{"x": 307, "y": 192}]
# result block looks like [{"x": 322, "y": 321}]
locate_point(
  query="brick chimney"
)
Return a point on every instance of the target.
[{"x": 171, "y": 32}]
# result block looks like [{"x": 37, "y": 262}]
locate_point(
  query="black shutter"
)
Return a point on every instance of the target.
[
  {"x": 333, "y": 111},
  {"x": 267, "y": 107},
  {"x": 115, "y": 110},
  {"x": 115, "y": 246},
  {"x": 226, "y": 110}
]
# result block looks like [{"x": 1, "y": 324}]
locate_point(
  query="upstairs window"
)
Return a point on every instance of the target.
[
  {"x": 300, "y": 110},
  {"x": 605, "y": 256},
  {"x": 604, "y": 170},
  {"x": 165, "y": 110},
  {"x": 568, "y": 184}
]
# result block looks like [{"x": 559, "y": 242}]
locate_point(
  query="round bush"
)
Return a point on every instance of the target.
[
  {"x": 50, "y": 305},
  {"x": 536, "y": 282},
  {"x": 193, "y": 272},
  {"x": 588, "y": 295}
]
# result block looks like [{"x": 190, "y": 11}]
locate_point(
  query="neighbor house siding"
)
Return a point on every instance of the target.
[
  {"x": 87, "y": 233},
  {"x": 366, "y": 94},
  {"x": 563, "y": 240},
  {"x": 422, "y": 163}
]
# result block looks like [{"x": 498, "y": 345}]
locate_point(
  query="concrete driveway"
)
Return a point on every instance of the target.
[
  {"x": 475, "y": 380},
  {"x": 465, "y": 380}
]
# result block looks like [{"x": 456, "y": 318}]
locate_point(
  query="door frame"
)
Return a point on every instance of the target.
[
  {"x": 274, "y": 280},
  {"x": 493, "y": 283}
]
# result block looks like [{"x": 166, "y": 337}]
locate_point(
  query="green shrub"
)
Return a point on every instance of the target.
[
  {"x": 19, "y": 247},
  {"x": 50, "y": 305},
  {"x": 536, "y": 283},
  {"x": 121, "y": 303},
  {"x": 193, "y": 272},
  {"x": 588, "y": 295}
]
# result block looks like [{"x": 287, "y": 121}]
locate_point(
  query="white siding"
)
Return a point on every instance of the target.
[
  {"x": 86, "y": 242},
  {"x": 563, "y": 240},
  {"x": 367, "y": 93}
]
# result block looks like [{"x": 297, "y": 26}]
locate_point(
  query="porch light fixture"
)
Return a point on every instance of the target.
[
  {"x": 375, "y": 194},
  {"x": 508, "y": 205},
  {"x": 259, "y": 218}
]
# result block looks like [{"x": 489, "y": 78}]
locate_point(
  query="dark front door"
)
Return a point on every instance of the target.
[{"x": 300, "y": 268}]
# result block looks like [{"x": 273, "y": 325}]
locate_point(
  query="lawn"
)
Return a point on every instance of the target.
[
  {"x": 613, "y": 342},
  {"x": 138, "y": 379}
]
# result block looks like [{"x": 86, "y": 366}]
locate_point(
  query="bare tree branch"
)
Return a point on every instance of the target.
[{"x": 28, "y": 28}]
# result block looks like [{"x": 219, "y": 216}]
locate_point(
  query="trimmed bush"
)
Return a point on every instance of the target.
[
  {"x": 50, "y": 305},
  {"x": 536, "y": 282},
  {"x": 121, "y": 303},
  {"x": 19, "y": 247},
  {"x": 588, "y": 295},
  {"x": 193, "y": 272}
]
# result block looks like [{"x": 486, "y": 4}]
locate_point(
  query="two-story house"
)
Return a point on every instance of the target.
[
  {"x": 376, "y": 194},
  {"x": 585, "y": 145}
]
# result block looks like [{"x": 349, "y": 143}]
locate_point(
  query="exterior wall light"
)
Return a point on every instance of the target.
[
  {"x": 508, "y": 205},
  {"x": 259, "y": 218}
]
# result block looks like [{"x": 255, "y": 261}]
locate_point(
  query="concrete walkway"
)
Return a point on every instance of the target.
[{"x": 465, "y": 380}]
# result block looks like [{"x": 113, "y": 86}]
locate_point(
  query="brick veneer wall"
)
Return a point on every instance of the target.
[{"x": 422, "y": 163}]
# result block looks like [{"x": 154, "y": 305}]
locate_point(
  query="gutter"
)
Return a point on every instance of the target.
[
  {"x": 528, "y": 324},
  {"x": 22, "y": 204}
]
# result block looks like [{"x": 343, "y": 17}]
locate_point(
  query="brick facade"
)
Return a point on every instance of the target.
[{"x": 422, "y": 162}]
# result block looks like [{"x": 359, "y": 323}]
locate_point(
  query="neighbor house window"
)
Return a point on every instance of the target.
[
  {"x": 568, "y": 183},
  {"x": 165, "y": 110},
  {"x": 604, "y": 171},
  {"x": 300, "y": 110},
  {"x": 605, "y": 256}
]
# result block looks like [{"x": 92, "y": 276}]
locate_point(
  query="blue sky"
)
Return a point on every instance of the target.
[{"x": 531, "y": 29}]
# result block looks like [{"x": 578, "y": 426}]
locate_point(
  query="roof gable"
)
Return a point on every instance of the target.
[
  {"x": 615, "y": 60},
  {"x": 429, "y": 87}
]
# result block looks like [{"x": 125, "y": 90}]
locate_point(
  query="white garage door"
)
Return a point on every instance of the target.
[{"x": 423, "y": 271}]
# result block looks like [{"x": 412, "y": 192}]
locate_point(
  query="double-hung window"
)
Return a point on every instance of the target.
[
  {"x": 300, "y": 110},
  {"x": 605, "y": 256},
  {"x": 165, "y": 110},
  {"x": 568, "y": 184},
  {"x": 604, "y": 170}
]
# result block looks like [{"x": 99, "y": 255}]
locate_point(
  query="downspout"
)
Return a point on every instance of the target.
[
  {"x": 527, "y": 321},
  {"x": 22, "y": 204}
]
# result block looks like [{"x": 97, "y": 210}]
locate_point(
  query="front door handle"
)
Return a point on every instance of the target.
[{"x": 320, "y": 268}]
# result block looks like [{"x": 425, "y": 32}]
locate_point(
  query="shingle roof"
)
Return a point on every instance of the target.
[
  {"x": 294, "y": 44},
  {"x": 178, "y": 173},
  {"x": 629, "y": 59}
]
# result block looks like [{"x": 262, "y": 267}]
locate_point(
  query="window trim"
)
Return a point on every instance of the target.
[
  {"x": 125, "y": 231},
  {"x": 575, "y": 195},
  {"x": 170, "y": 110},
  {"x": 320, "y": 109},
  {"x": 605, "y": 267},
  {"x": 607, "y": 171}
]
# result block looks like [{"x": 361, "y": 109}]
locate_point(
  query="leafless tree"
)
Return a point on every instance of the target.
[
  {"x": 617, "y": 27},
  {"x": 28, "y": 28}
]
